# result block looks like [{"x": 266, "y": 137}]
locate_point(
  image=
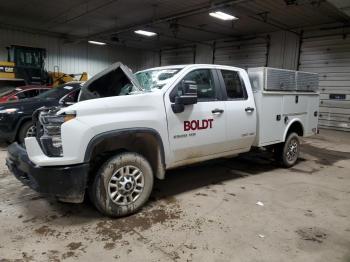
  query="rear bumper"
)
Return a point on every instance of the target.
[{"x": 68, "y": 183}]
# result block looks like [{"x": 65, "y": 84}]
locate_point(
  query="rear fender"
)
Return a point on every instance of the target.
[{"x": 294, "y": 121}]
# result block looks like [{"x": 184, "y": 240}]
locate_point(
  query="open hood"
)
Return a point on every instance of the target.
[{"x": 115, "y": 80}]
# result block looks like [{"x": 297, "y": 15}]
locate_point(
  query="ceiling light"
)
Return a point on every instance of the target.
[
  {"x": 146, "y": 33},
  {"x": 222, "y": 16},
  {"x": 96, "y": 42}
]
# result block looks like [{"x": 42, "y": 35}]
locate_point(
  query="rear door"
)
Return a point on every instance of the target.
[
  {"x": 240, "y": 111},
  {"x": 199, "y": 131}
]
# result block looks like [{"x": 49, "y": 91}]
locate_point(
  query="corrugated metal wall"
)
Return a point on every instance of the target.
[
  {"x": 177, "y": 56},
  {"x": 329, "y": 56},
  {"x": 149, "y": 59},
  {"x": 284, "y": 50},
  {"x": 71, "y": 57},
  {"x": 278, "y": 49},
  {"x": 204, "y": 53},
  {"x": 244, "y": 53}
]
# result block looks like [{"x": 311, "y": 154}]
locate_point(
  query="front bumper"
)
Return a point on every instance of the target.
[
  {"x": 68, "y": 183},
  {"x": 8, "y": 128}
]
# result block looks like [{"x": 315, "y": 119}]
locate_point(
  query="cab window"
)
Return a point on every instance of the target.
[
  {"x": 234, "y": 85},
  {"x": 205, "y": 85}
]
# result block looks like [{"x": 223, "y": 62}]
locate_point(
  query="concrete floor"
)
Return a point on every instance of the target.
[{"x": 202, "y": 213}]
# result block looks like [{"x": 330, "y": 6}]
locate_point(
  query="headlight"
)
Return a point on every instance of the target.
[
  {"x": 8, "y": 110},
  {"x": 51, "y": 139}
]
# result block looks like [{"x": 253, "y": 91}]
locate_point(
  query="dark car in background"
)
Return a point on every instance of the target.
[
  {"x": 21, "y": 92},
  {"x": 16, "y": 117}
]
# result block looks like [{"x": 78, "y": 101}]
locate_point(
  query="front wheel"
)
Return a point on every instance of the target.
[
  {"x": 287, "y": 153},
  {"x": 27, "y": 130},
  {"x": 122, "y": 185}
]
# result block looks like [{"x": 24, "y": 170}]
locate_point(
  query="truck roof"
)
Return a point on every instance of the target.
[
  {"x": 164, "y": 67},
  {"x": 190, "y": 65}
]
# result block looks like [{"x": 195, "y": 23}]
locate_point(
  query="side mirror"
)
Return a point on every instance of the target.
[{"x": 187, "y": 95}]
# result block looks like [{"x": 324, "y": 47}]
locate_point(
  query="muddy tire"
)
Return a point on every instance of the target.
[
  {"x": 122, "y": 185},
  {"x": 287, "y": 153},
  {"x": 26, "y": 130}
]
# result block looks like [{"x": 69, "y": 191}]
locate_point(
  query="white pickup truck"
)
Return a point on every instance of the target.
[{"x": 128, "y": 129}]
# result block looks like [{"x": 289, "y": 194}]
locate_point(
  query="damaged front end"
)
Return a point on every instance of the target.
[
  {"x": 48, "y": 125},
  {"x": 116, "y": 80},
  {"x": 68, "y": 182},
  {"x": 43, "y": 170}
]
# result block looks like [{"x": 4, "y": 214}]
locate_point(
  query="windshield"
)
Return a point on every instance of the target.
[
  {"x": 152, "y": 79},
  {"x": 59, "y": 91}
]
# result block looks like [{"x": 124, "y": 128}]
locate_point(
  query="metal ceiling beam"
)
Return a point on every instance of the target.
[
  {"x": 73, "y": 6},
  {"x": 265, "y": 19},
  {"x": 175, "y": 36},
  {"x": 273, "y": 24},
  {"x": 84, "y": 13},
  {"x": 195, "y": 28},
  {"x": 183, "y": 14},
  {"x": 185, "y": 39},
  {"x": 340, "y": 16},
  {"x": 36, "y": 31}
]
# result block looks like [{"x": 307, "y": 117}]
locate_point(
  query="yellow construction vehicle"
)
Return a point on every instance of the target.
[
  {"x": 59, "y": 78},
  {"x": 7, "y": 69},
  {"x": 28, "y": 64},
  {"x": 8, "y": 78}
]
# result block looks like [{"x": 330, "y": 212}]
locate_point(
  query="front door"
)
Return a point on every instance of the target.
[{"x": 200, "y": 130}]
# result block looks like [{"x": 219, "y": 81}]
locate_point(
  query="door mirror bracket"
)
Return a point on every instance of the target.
[
  {"x": 178, "y": 108},
  {"x": 187, "y": 95}
]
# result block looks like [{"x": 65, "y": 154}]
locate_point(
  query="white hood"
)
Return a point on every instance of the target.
[{"x": 112, "y": 81}]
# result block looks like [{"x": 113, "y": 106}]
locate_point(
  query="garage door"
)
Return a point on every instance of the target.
[
  {"x": 178, "y": 56},
  {"x": 329, "y": 56},
  {"x": 245, "y": 53}
]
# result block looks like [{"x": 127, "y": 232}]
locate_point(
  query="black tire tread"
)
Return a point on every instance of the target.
[
  {"x": 279, "y": 151},
  {"x": 92, "y": 190}
]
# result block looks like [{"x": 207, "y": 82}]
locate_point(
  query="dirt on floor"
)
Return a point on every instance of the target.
[{"x": 240, "y": 209}]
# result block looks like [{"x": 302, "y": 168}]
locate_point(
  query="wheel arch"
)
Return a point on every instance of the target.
[
  {"x": 294, "y": 126},
  {"x": 145, "y": 141}
]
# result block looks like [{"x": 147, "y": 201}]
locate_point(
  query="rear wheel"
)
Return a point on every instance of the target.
[
  {"x": 122, "y": 185},
  {"x": 287, "y": 153},
  {"x": 27, "y": 130}
]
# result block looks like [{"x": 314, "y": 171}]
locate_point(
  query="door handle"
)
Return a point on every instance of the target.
[
  {"x": 249, "y": 109},
  {"x": 217, "y": 111}
]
